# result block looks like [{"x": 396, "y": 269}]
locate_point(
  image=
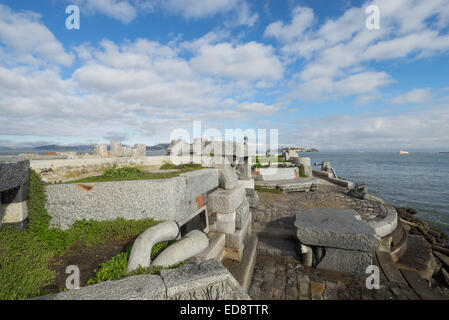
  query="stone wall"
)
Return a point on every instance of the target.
[
  {"x": 166, "y": 199},
  {"x": 209, "y": 280},
  {"x": 62, "y": 170}
]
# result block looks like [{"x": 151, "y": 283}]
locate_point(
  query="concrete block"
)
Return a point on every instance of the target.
[
  {"x": 270, "y": 174},
  {"x": 253, "y": 198},
  {"x": 13, "y": 206},
  {"x": 241, "y": 214},
  {"x": 247, "y": 184},
  {"x": 209, "y": 280},
  {"x": 200, "y": 181},
  {"x": 225, "y": 201},
  {"x": 236, "y": 239},
  {"x": 141, "y": 287},
  {"x": 343, "y": 260},
  {"x": 295, "y": 186},
  {"x": 222, "y": 222},
  {"x": 335, "y": 228},
  {"x": 14, "y": 172},
  {"x": 234, "y": 253}
]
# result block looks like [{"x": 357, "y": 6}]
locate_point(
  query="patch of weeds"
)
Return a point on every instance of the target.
[
  {"x": 171, "y": 166},
  {"x": 25, "y": 256},
  {"x": 134, "y": 173},
  {"x": 115, "y": 268}
]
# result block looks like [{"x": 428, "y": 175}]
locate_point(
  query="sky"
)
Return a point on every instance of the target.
[{"x": 137, "y": 70}]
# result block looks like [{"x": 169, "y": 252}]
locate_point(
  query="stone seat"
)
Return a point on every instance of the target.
[{"x": 340, "y": 239}]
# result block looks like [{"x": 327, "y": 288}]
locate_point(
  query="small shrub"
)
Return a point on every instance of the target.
[{"x": 115, "y": 268}]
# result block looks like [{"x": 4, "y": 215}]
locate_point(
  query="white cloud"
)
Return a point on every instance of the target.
[
  {"x": 248, "y": 62},
  {"x": 200, "y": 9},
  {"x": 414, "y": 97},
  {"x": 244, "y": 16},
  {"x": 27, "y": 40},
  {"x": 302, "y": 19},
  {"x": 331, "y": 52},
  {"x": 120, "y": 10},
  {"x": 423, "y": 129}
]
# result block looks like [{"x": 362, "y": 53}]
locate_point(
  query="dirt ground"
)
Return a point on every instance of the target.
[{"x": 88, "y": 260}]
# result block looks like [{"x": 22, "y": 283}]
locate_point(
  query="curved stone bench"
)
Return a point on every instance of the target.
[{"x": 387, "y": 225}]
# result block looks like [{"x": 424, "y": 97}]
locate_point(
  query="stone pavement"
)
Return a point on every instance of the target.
[
  {"x": 279, "y": 275},
  {"x": 278, "y": 210},
  {"x": 280, "y": 278}
]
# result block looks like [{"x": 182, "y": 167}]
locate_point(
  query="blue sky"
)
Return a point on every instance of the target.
[{"x": 138, "y": 69}]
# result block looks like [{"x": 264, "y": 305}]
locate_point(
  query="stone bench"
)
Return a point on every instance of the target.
[
  {"x": 270, "y": 174},
  {"x": 14, "y": 182},
  {"x": 339, "y": 239}
]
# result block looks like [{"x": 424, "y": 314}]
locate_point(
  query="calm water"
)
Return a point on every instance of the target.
[{"x": 417, "y": 180}]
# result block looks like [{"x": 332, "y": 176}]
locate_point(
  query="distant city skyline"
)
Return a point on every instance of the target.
[{"x": 137, "y": 69}]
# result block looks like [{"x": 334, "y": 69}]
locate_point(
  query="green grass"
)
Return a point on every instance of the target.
[
  {"x": 25, "y": 256},
  {"x": 170, "y": 166},
  {"x": 260, "y": 189},
  {"x": 302, "y": 173},
  {"x": 115, "y": 268},
  {"x": 264, "y": 160},
  {"x": 133, "y": 173}
]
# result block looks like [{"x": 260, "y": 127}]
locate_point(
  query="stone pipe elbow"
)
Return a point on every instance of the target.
[
  {"x": 192, "y": 244},
  {"x": 141, "y": 250}
]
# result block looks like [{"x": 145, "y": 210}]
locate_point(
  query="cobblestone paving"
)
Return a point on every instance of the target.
[
  {"x": 277, "y": 278},
  {"x": 279, "y": 209}
]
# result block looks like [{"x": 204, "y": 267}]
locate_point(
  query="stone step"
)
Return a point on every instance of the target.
[
  {"x": 397, "y": 235},
  {"x": 243, "y": 270},
  {"x": 418, "y": 257},
  {"x": 279, "y": 248},
  {"x": 399, "y": 247},
  {"x": 389, "y": 268},
  {"x": 274, "y": 232},
  {"x": 420, "y": 285}
]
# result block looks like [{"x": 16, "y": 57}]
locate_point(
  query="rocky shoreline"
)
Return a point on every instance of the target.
[{"x": 437, "y": 240}]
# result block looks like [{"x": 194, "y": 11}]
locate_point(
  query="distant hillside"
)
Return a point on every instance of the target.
[
  {"x": 56, "y": 147},
  {"x": 160, "y": 146},
  {"x": 5, "y": 148}
]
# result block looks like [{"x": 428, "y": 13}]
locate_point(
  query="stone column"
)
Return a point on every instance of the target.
[
  {"x": 116, "y": 149},
  {"x": 140, "y": 150}
]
